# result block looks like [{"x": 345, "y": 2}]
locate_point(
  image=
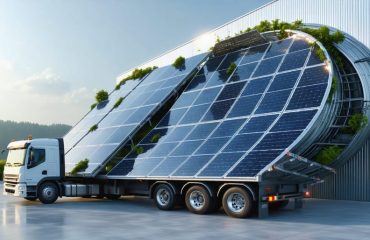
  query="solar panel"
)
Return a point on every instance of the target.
[
  {"x": 118, "y": 126},
  {"x": 233, "y": 126},
  {"x": 96, "y": 115}
]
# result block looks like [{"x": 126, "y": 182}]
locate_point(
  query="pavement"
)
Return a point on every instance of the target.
[{"x": 138, "y": 218}]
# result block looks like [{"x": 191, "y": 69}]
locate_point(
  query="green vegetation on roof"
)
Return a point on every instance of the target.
[
  {"x": 2, "y": 165},
  {"x": 155, "y": 138},
  {"x": 179, "y": 62},
  {"x": 356, "y": 122},
  {"x": 118, "y": 102},
  {"x": 328, "y": 154},
  {"x": 139, "y": 150},
  {"x": 101, "y": 96},
  {"x": 93, "y": 106},
  {"x": 138, "y": 73},
  {"x": 327, "y": 39},
  {"x": 93, "y": 128},
  {"x": 231, "y": 68},
  {"x": 80, "y": 167}
]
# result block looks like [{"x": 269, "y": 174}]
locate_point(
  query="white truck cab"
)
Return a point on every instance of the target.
[{"x": 30, "y": 163}]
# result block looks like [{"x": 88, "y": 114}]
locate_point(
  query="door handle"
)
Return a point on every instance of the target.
[{"x": 44, "y": 172}]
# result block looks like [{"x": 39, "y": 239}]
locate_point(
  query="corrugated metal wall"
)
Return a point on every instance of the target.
[
  {"x": 352, "y": 181},
  {"x": 350, "y": 16}
]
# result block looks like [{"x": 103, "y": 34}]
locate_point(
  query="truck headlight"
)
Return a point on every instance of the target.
[{"x": 21, "y": 188}]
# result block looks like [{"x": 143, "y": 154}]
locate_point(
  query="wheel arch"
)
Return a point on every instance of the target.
[
  {"x": 56, "y": 181},
  {"x": 155, "y": 184},
  {"x": 222, "y": 189},
  {"x": 187, "y": 185}
]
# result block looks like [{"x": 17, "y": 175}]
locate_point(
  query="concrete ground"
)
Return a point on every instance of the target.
[{"x": 138, "y": 218}]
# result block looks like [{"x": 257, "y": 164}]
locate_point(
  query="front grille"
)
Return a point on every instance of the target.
[
  {"x": 13, "y": 178},
  {"x": 9, "y": 190}
]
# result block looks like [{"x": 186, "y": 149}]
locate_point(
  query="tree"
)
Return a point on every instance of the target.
[{"x": 101, "y": 96}]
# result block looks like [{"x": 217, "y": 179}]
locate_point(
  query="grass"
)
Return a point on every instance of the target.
[
  {"x": 93, "y": 128},
  {"x": 80, "y": 167},
  {"x": 231, "y": 69},
  {"x": 139, "y": 150},
  {"x": 357, "y": 122},
  {"x": 2, "y": 165},
  {"x": 333, "y": 88},
  {"x": 155, "y": 138},
  {"x": 138, "y": 73},
  {"x": 118, "y": 102},
  {"x": 328, "y": 154}
]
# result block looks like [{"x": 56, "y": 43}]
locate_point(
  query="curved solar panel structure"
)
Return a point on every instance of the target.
[
  {"x": 97, "y": 114},
  {"x": 235, "y": 126},
  {"x": 118, "y": 125}
]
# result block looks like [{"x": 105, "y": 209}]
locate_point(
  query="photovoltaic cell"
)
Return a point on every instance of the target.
[{"x": 233, "y": 126}]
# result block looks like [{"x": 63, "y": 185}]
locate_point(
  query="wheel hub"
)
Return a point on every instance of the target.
[
  {"x": 197, "y": 199},
  {"x": 236, "y": 202},
  {"x": 163, "y": 197}
]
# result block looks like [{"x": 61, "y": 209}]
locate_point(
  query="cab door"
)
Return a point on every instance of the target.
[{"x": 36, "y": 165}]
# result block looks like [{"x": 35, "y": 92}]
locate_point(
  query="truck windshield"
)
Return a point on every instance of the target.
[{"x": 16, "y": 157}]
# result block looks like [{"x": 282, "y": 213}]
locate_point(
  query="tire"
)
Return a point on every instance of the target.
[
  {"x": 47, "y": 192},
  {"x": 237, "y": 202},
  {"x": 164, "y": 197},
  {"x": 113, "y": 196},
  {"x": 278, "y": 205},
  {"x": 198, "y": 200},
  {"x": 31, "y": 198}
]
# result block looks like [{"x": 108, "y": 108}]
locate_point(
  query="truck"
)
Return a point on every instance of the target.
[{"x": 248, "y": 154}]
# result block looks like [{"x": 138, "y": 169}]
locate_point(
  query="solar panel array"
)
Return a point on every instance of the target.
[
  {"x": 96, "y": 115},
  {"x": 118, "y": 126},
  {"x": 233, "y": 126}
]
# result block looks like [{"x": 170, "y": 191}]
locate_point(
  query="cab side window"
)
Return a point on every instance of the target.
[{"x": 36, "y": 157}]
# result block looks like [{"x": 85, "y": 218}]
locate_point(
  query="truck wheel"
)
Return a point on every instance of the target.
[
  {"x": 47, "y": 192},
  {"x": 164, "y": 197},
  {"x": 113, "y": 196},
  {"x": 198, "y": 200},
  {"x": 31, "y": 198},
  {"x": 237, "y": 202}
]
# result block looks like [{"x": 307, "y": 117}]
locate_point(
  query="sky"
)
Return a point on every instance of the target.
[{"x": 55, "y": 55}]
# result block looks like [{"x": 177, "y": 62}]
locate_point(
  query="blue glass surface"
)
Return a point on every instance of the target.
[
  {"x": 207, "y": 95},
  {"x": 254, "y": 162},
  {"x": 284, "y": 81},
  {"x": 228, "y": 128},
  {"x": 278, "y": 48},
  {"x": 314, "y": 75},
  {"x": 273, "y": 101},
  {"x": 306, "y": 97},
  {"x": 259, "y": 124},
  {"x": 220, "y": 164},
  {"x": 244, "y": 106},
  {"x": 212, "y": 145},
  {"x": 233, "y": 57},
  {"x": 201, "y": 131},
  {"x": 254, "y": 54},
  {"x": 279, "y": 140},
  {"x": 294, "y": 121},
  {"x": 231, "y": 91},
  {"x": 172, "y": 117},
  {"x": 294, "y": 60},
  {"x": 299, "y": 44},
  {"x": 242, "y": 142},
  {"x": 218, "y": 110},
  {"x": 256, "y": 86},
  {"x": 243, "y": 72},
  {"x": 186, "y": 148},
  {"x": 194, "y": 114},
  {"x": 267, "y": 66},
  {"x": 168, "y": 165},
  {"x": 192, "y": 165}
]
